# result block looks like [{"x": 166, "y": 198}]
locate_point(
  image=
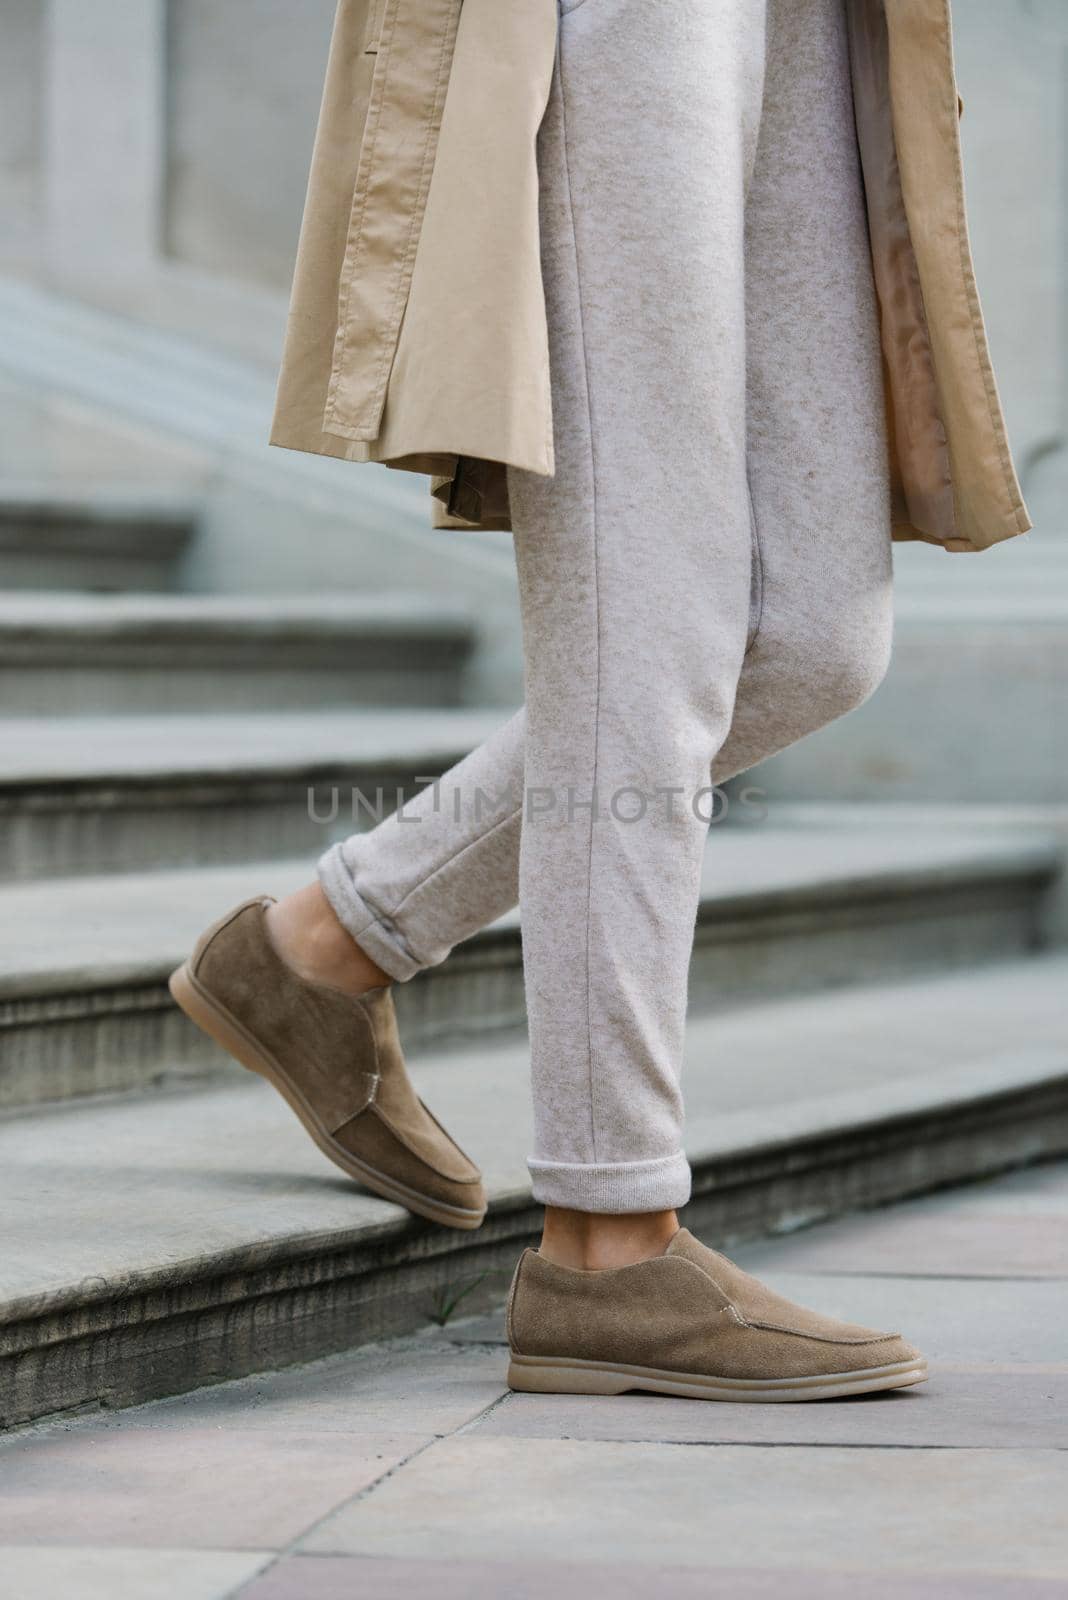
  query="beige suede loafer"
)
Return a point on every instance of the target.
[
  {"x": 689, "y": 1322},
  {"x": 336, "y": 1060}
]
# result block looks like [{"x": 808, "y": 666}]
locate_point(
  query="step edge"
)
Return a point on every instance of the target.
[
  {"x": 1032, "y": 870},
  {"x": 993, "y": 1085}
]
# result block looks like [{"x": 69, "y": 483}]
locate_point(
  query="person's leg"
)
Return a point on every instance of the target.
[
  {"x": 818, "y": 459},
  {"x": 397, "y": 898},
  {"x": 641, "y": 688},
  {"x": 681, "y": 1319},
  {"x": 819, "y": 629},
  {"x": 418, "y": 884},
  {"x": 635, "y": 565}
]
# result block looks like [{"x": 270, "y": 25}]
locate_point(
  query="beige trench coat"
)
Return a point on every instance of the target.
[{"x": 417, "y": 332}]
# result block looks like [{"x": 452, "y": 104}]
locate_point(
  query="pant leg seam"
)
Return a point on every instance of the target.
[
  {"x": 754, "y": 524},
  {"x": 596, "y": 586}
]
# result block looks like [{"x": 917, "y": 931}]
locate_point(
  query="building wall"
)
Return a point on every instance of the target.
[
  {"x": 1011, "y": 59},
  {"x": 243, "y": 88},
  {"x": 153, "y": 156},
  {"x": 21, "y": 128}
]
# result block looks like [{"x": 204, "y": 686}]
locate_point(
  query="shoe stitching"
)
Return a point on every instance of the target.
[
  {"x": 375, "y": 1076},
  {"x": 824, "y": 1338}
]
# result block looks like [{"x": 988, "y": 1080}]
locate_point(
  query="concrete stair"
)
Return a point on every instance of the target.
[
  {"x": 55, "y": 536},
  {"x": 783, "y": 911},
  {"x": 74, "y": 654},
  {"x": 875, "y": 1006},
  {"x": 170, "y": 1240},
  {"x": 97, "y": 794}
]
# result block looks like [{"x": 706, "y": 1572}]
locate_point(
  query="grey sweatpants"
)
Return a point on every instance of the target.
[{"x": 706, "y": 579}]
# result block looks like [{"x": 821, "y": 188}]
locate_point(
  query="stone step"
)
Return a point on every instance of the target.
[
  {"x": 63, "y": 654},
  {"x": 57, "y": 536},
  {"x": 95, "y": 794},
  {"x": 782, "y": 911},
  {"x": 971, "y": 711},
  {"x": 1034, "y": 568},
  {"x": 162, "y": 1242}
]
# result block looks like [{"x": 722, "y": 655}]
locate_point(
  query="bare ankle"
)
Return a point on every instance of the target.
[
  {"x": 308, "y": 937},
  {"x": 593, "y": 1241}
]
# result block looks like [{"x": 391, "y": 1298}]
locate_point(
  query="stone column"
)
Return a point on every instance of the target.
[
  {"x": 104, "y": 133},
  {"x": 1011, "y": 67}
]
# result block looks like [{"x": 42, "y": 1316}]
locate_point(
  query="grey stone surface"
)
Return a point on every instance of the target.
[
  {"x": 930, "y": 1244},
  {"x": 122, "y": 1188},
  {"x": 1007, "y": 61},
  {"x": 958, "y": 1321},
  {"x": 953, "y": 1491},
  {"x": 21, "y": 131},
  {"x": 135, "y": 749},
  {"x": 977, "y": 1410},
  {"x": 987, "y": 1511},
  {"x": 48, "y": 438},
  {"x": 342, "y": 1578},
  {"x": 1034, "y": 819},
  {"x": 271, "y": 521},
  {"x": 227, "y": 1489},
  {"x": 244, "y": 96},
  {"x": 1038, "y": 1192},
  {"x": 116, "y": 794},
  {"x": 92, "y": 1572},
  {"x": 418, "y": 1385},
  {"x": 172, "y": 1240},
  {"x": 920, "y": 738},
  {"x": 69, "y": 654},
  {"x": 57, "y": 537},
  {"x": 781, "y": 911}
]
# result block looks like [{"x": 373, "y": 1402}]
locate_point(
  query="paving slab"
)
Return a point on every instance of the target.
[
  {"x": 226, "y": 1488},
  {"x": 87, "y": 1572},
  {"x": 929, "y": 1243},
  {"x": 989, "y": 1511},
  {"x": 952, "y": 1491},
  {"x": 348, "y": 1577},
  {"x": 412, "y": 1385},
  {"x": 992, "y": 1410}
]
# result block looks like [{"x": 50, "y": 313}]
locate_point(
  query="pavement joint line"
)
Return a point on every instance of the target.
[
  {"x": 783, "y": 1444},
  {"x": 474, "y": 1422},
  {"x": 919, "y": 1277},
  {"x": 351, "y": 1500}
]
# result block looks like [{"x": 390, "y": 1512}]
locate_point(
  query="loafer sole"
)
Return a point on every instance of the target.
[
  {"x": 220, "y": 1025},
  {"x": 551, "y": 1375}
]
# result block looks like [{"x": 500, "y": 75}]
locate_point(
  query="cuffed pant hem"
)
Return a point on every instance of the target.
[
  {"x": 660, "y": 1185},
  {"x": 376, "y": 936}
]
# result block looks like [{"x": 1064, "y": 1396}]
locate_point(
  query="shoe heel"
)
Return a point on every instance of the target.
[
  {"x": 209, "y": 1020},
  {"x": 530, "y": 1377}
]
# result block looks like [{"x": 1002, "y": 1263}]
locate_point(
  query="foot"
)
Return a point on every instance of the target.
[
  {"x": 593, "y": 1240},
  {"x": 335, "y": 1059},
  {"x": 305, "y": 931},
  {"x": 688, "y": 1322}
]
